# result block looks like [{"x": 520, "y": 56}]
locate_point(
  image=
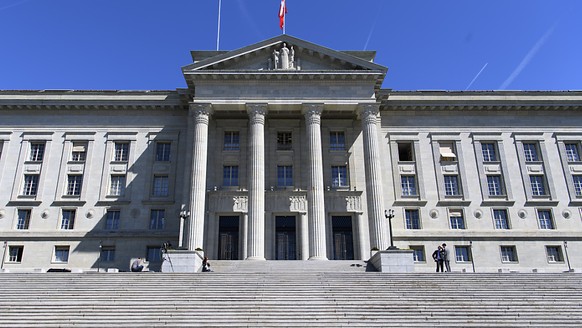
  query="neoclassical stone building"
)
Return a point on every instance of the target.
[{"x": 287, "y": 150}]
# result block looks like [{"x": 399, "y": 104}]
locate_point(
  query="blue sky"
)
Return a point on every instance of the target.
[{"x": 426, "y": 44}]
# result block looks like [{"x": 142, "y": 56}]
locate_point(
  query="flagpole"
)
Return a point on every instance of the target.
[{"x": 218, "y": 33}]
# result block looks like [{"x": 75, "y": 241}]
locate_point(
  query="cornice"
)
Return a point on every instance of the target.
[
  {"x": 91, "y": 100},
  {"x": 480, "y": 100}
]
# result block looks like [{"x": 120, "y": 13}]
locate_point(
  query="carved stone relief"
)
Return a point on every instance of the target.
[
  {"x": 297, "y": 203},
  {"x": 353, "y": 204},
  {"x": 240, "y": 203}
]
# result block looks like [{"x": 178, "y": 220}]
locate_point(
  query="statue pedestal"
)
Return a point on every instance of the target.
[
  {"x": 394, "y": 261},
  {"x": 175, "y": 260}
]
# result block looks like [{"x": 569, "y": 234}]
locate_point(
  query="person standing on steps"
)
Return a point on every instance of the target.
[
  {"x": 447, "y": 257},
  {"x": 438, "y": 256}
]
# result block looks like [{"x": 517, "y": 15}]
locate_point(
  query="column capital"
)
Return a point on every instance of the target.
[
  {"x": 201, "y": 112},
  {"x": 366, "y": 110},
  {"x": 368, "y": 113},
  {"x": 257, "y": 108},
  {"x": 257, "y": 112},
  {"x": 312, "y": 113}
]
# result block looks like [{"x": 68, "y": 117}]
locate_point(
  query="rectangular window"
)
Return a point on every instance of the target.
[
  {"x": 15, "y": 254},
  {"x": 500, "y": 219},
  {"x": 230, "y": 176},
  {"x": 339, "y": 175},
  {"x": 554, "y": 254},
  {"x": 408, "y": 183},
  {"x": 163, "y": 151},
  {"x": 489, "y": 152},
  {"x": 537, "y": 185},
  {"x": 79, "y": 152},
  {"x": 61, "y": 254},
  {"x": 462, "y": 254},
  {"x": 447, "y": 151},
  {"x": 412, "y": 219},
  {"x": 231, "y": 140},
  {"x": 337, "y": 140},
  {"x": 508, "y": 254},
  {"x": 157, "y": 219},
  {"x": 74, "y": 185},
  {"x": 108, "y": 253},
  {"x": 530, "y": 150},
  {"x": 23, "y": 220},
  {"x": 577, "y": 184},
  {"x": 117, "y": 185},
  {"x": 121, "y": 152},
  {"x": 457, "y": 220},
  {"x": 494, "y": 185},
  {"x": 418, "y": 253},
  {"x": 572, "y": 152},
  {"x": 284, "y": 141},
  {"x": 405, "y": 152},
  {"x": 36, "y": 151},
  {"x": 284, "y": 176},
  {"x": 452, "y": 185},
  {"x": 30, "y": 185},
  {"x": 153, "y": 254},
  {"x": 161, "y": 186},
  {"x": 68, "y": 219},
  {"x": 545, "y": 219},
  {"x": 112, "y": 220}
]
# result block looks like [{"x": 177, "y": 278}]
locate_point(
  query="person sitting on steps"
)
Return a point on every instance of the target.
[
  {"x": 137, "y": 265},
  {"x": 206, "y": 265}
]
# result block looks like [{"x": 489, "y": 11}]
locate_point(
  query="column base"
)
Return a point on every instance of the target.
[
  {"x": 318, "y": 258},
  {"x": 255, "y": 258}
]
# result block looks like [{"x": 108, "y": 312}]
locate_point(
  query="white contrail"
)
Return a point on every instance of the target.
[
  {"x": 476, "y": 76},
  {"x": 373, "y": 25},
  {"x": 14, "y": 4},
  {"x": 527, "y": 58}
]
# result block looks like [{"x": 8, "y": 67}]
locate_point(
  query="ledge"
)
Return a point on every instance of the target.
[{"x": 409, "y": 202}]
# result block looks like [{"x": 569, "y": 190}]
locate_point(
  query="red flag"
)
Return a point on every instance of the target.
[{"x": 282, "y": 12}]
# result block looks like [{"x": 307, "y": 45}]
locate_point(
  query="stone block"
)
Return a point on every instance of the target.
[
  {"x": 394, "y": 261},
  {"x": 181, "y": 261}
]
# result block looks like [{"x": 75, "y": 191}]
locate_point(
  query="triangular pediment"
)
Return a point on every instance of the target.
[{"x": 283, "y": 53}]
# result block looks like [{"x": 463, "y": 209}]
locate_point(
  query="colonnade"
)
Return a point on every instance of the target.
[{"x": 315, "y": 216}]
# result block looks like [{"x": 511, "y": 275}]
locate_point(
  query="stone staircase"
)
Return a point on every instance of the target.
[{"x": 290, "y": 294}]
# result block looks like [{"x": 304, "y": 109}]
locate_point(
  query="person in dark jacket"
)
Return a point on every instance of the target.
[{"x": 439, "y": 257}]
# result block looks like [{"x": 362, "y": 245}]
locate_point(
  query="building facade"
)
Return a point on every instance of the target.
[{"x": 287, "y": 150}]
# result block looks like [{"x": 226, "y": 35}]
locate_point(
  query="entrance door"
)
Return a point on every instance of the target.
[
  {"x": 228, "y": 237},
  {"x": 285, "y": 238},
  {"x": 343, "y": 241}
]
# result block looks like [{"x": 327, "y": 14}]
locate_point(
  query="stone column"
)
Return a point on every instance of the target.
[
  {"x": 256, "y": 209},
  {"x": 245, "y": 239},
  {"x": 304, "y": 235},
  {"x": 363, "y": 248},
  {"x": 201, "y": 115},
  {"x": 374, "y": 191},
  {"x": 315, "y": 196}
]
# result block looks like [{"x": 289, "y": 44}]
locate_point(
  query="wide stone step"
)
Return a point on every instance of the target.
[{"x": 294, "y": 299}]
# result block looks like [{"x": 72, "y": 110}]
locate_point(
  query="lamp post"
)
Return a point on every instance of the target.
[
  {"x": 472, "y": 257},
  {"x": 183, "y": 216},
  {"x": 567, "y": 258},
  {"x": 389, "y": 215},
  {"x": 99, "y": 259},
  {"x": 4, "y": 255}
]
